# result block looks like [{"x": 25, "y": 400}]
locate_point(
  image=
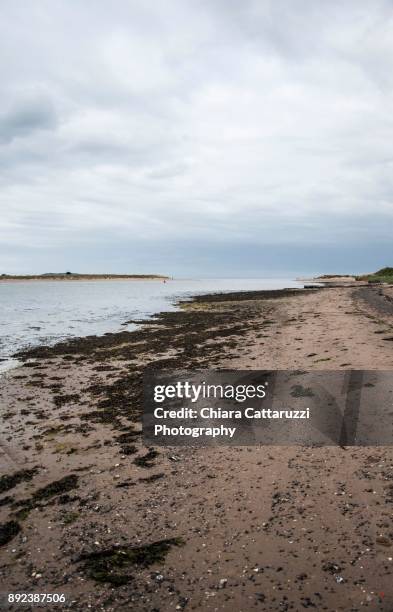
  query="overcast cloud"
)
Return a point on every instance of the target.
[{"x": 196, "y": 137}]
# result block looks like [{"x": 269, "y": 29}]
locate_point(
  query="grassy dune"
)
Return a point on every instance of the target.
[{"x": 383, "y": 275}]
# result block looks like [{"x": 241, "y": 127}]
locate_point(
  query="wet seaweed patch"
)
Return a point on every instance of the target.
[
  {"x": 104, "y": 417},
  {"x": 62, "y": 400},
  {"x": 113, "y": 565},
  {"x": 117, "y": 401},
  {"x": 8, "y": 531},
  {"x": 147, "y": 460},
  {"x": 129, "y": 449},
  {"x": 125, "y": 484},
  {"x": 152, "y": 478},
  {"x": 67, "y": 499},
  {"x": 9, "y": 481},
  {"x": 58, "y": 487},
  {"x": 263, "y": 294},
  {"x": 128, "y": 437}
]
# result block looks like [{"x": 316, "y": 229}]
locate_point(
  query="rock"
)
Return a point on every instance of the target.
[{"x": 383, "y": 540}]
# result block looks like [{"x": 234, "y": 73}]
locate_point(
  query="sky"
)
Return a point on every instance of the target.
[{"x": 196, "y": 138}]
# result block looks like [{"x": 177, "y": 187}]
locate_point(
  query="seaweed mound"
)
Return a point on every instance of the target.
[{"x": 112, "y": 564}]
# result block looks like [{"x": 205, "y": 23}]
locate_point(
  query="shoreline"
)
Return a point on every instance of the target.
[
  {"x": 72, "y": 427},
  {"x": 7, "y": 356}
]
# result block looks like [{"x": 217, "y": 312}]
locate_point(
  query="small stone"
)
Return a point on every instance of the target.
[
  {"x": 223, "y": 583},
  {"x": 383, "y": 540}
]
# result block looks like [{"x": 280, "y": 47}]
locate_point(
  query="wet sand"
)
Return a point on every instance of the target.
[{"x": 86, "y": 510}]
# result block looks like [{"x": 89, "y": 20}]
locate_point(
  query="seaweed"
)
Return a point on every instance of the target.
[
  {"x": 6, "y": 500},
  {"x": 129, "y": 449},
  {"x": 8, "y": 531},
  {"x": 147, "y": 459},
  {"x": 9, "y": 481},
  {"x": 152, "y": 478},
  {"x": 127, "y": 437},
  {"x": 55, "y": 488},
  {"x": 61, "y": 400},
  {"x": 51, "y": 490},
  {"x": 112, "y": 565}
]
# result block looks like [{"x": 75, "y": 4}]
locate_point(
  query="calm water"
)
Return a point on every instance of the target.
[{"x": 45, "y": 312}]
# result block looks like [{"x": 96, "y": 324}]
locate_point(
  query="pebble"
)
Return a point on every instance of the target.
[{"x": 383, "y": 540}]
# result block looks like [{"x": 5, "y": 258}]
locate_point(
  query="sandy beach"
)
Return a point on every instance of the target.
[{"x": 88, "y": 511}]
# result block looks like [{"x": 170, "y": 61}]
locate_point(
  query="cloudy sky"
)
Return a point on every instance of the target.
[{"x": 196, "y": 137}]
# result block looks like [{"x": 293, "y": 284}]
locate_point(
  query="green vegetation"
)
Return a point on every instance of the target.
[{"x": 385, "y": 275}]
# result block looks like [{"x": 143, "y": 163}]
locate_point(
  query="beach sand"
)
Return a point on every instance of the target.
[{"x": 270, "y": 528}]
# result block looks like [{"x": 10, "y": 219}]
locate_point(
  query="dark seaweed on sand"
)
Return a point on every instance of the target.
[
  {"x": 55, "y": 488},
  {"x": 147, "y": 459},
  {"x": 8, "y": 531},
  {"x": 51, "y": 490},
  {"x": 9, "y": 481},
  {"x": 112, "y": 565}
]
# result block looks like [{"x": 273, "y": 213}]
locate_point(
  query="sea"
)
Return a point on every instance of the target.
[{"x": 45, "y": 312}]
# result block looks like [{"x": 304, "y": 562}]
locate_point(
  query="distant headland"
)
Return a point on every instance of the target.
[
  {"x": 384, "y": 276},
  {"x": 71, "y": 276}
]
